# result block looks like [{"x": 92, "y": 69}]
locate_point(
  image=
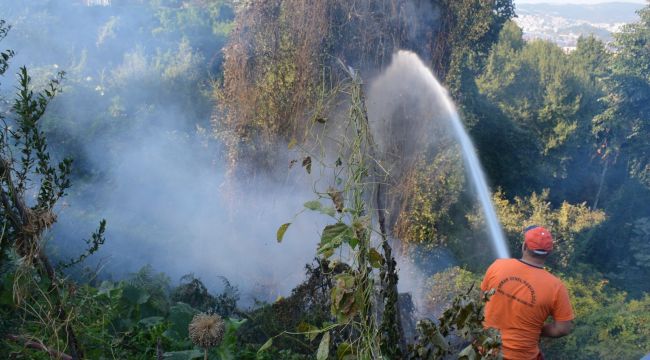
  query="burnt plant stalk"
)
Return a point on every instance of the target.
[{"x": 390, "y": 329}]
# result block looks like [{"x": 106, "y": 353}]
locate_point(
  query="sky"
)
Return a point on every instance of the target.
[{"x": 575, "y": 1}]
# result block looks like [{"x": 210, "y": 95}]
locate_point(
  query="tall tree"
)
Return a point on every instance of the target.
[
  {"x": 622, "y": 132},
  {"x": 623, "y": 129},
  {"x": 549, "y": 98}
]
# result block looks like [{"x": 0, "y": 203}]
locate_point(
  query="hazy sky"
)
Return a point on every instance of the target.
[{"x": 575, "y": 1}]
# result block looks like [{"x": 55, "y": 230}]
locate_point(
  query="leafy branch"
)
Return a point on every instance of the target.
[
  {"x": 27, "y": 168},
  {"x": 463, "y": 318},
  {"x": 96, "y": 240}
]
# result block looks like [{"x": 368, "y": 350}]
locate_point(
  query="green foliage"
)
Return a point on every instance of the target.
[
  {"x": 8, "y": 54},
  {"x": 353, "y": 290},
  {"x": 567, "y": 223},
  {"x": 464, "y": 318},
  {"x": 293, "y": 323},
  {"x": 607, "y": 325},
  {"x": 30, "y": 141},
  {"x": 193, "y": 19},
  {"x": 549, "y": 94},
  {"x": 94, "y": 242},
  {"x": 133, "y": 319},
  {"x": 469, "y": 28},
  {"x": 437, "y": 187},
  {"x": 31, "y": 184},
  {"x": 445, "y": 286},
  {"x": 622, "y": 128},
  {"x": 193, "y": 292},
  {"x": 575, "y": 123}
]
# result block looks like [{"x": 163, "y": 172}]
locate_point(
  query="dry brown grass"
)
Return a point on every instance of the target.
[{"x": 281, "y": 60}]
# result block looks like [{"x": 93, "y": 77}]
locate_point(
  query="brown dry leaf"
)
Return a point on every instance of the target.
[
  {"x": 306, "y": 163},
  {"x": 337, "y": 198}
]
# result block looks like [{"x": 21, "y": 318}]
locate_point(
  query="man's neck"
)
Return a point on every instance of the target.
[{"x": 532, "y": 261}]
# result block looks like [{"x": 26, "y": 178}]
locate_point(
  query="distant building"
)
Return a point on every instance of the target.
[
  {"x": 564, "y": 24},
  {"x": 97, "y": 2}
]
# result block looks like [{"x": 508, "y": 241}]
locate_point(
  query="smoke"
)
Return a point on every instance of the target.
[
  {"x": 416, "y": 268},
  {"x": 134, "y": 115},
  {"x": 165, "y": 207},
  {"x": 162, "y": 198}
]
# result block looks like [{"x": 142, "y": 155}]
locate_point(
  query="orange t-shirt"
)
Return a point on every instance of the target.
[{"x": 525, "y": 297}]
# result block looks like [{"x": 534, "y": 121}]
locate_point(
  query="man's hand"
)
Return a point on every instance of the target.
[{"x": 557, "y": 329}]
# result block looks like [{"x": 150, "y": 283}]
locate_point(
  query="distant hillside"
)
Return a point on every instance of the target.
[
  {"x": 565, "y": 23},
  {"x": 614, "y": 12}
]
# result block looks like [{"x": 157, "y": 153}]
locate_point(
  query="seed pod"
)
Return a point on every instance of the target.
[{"x": 206, "y": 330}]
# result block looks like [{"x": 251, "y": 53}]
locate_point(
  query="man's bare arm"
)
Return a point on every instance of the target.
[{"x": 557, "y": 329}]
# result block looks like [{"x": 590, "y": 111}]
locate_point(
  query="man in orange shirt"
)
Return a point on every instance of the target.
[{"x": 525, "y": 296}]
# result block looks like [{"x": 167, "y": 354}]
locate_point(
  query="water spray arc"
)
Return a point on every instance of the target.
[
  {"x": 472, "y": 164},
  {"x": 478, "y": 181}
]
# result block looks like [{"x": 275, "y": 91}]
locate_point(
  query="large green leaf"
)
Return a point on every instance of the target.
[
  {"x": 135, "y": 295},
  {"x": 232, "y": 325},
  {"x": 316, "y": 205},
  {"x": 332, "y": 232},
  {"x": 228, "y": 347},
  {"x": 324, "y": 347},
  {"x": 180, "y": 316},
  {"x": 283, "y": 229},
  {"x": 376, "y": 260},
  {"x": 333, "y": 236},
  {"x": 313, "y": 205}
]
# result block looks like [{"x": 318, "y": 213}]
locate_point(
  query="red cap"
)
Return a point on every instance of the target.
[{"x": 538, "y": 239}]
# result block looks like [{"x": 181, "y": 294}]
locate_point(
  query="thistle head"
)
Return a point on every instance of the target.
[{"x": 207, "y": 330}]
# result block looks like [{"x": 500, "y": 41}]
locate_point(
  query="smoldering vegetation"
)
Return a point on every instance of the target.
[
  {"x": 135, "y": 115},
  {"x": 198, "y": 128}
]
